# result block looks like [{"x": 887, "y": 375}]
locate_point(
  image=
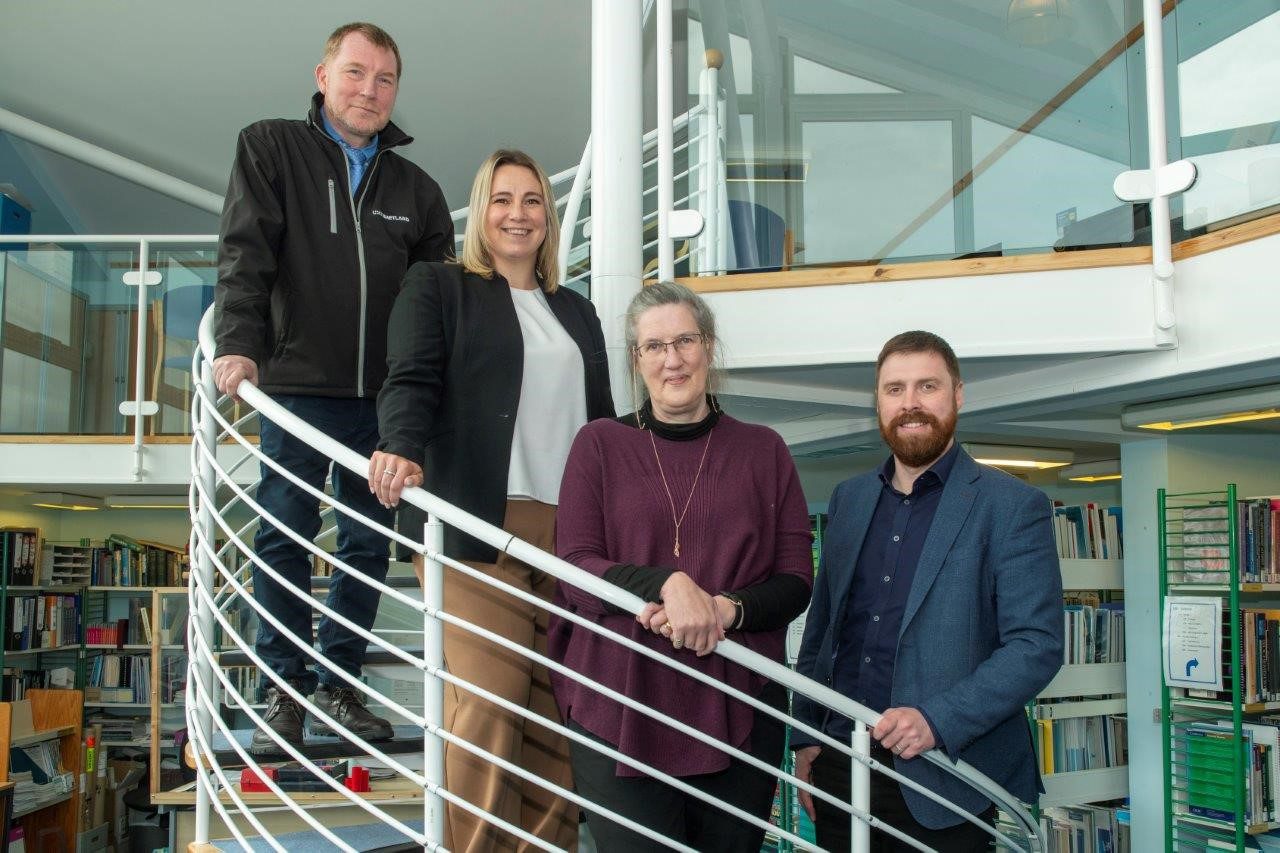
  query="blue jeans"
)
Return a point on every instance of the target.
[{"x": 353, "y": 422}]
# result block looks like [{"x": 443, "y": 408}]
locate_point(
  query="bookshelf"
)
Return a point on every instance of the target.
[
  {"x": 1221, "y": 740},
  {"x": 46, "y": 717},
  {"x": 169, "y": 612},
  {"x": 1083, "y": 691}
]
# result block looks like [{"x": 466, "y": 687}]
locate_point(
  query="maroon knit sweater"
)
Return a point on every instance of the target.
[{"x": 747, "y": 521}]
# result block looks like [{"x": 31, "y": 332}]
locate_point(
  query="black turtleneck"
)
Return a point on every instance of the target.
[{"x": 765, "y": 605}]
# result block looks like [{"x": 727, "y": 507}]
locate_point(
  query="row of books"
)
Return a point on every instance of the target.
[
  {"x": 1087, "y": 829},
  {"x": 1258, "y": 535},
  {"x": 1259, "y": 649},
  {"x": 173, "y": 678},
  {"x": 19, "y": 556},
  {"x": 122, "y": 561},
  {"x": 119, "y": 678},
  {"x": 41, "y": 622},
  {"x": 1082, "y": 743},
  {"x": 247, "y": 681},
  {"x": 1089, "y": 532},
  {"x": 16, "y": 681},
  {"x": 1210, "y": 782},
  {"x": 1093, "y": 633}
]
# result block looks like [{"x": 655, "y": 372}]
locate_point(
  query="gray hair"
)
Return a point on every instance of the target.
[{"x": 670, "y": 293}]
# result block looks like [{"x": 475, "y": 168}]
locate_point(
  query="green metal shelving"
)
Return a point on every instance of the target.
[{"x": 1206, "y": 753}]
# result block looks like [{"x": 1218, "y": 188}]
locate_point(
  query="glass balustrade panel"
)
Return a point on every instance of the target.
[
  {"x": 1227, "y": 111},
  {"x": 873, "y": 131},
  {"x": 69, "y": 335}
]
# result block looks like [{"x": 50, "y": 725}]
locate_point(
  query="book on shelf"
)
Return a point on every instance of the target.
[
  {"x": 1082, "y": 743},
  {"x": 126, "y": 562},
  {"x": 1087, "y": 829},
  {"x": 1210, "y": 753},
  {"x": 119, "y": 678},
  {"x": 1089, "y": 532},
  {"x": 1093, "y": 630},
  {"x": 42, "y": 621},
  {"x": 1258, "y": 645},
  {"x": 20, "y": 555},
  {"x": 1258, "y": 539}
]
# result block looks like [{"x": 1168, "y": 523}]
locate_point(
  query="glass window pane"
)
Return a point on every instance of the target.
[
  {"x": 1234, "y": 83},
  {"x": 814, "y": 78},
  {"x": 867, "y": 181},
  {"x": 1040, "y": 191}
]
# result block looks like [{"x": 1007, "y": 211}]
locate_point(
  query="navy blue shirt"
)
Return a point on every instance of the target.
[{"x": 867, "y": 650}]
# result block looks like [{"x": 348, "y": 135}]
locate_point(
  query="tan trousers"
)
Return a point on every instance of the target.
[{"x": 523, "y": 742}]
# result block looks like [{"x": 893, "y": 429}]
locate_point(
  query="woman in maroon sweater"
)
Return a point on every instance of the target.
[{"x": 702, "y": 516}]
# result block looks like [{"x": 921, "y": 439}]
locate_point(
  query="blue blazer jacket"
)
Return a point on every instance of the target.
[{"x": 981, "y": 634}]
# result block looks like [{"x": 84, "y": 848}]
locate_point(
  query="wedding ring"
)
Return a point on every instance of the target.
[
  {"x": 665, "y": 630},
  {"x": 897, "y": 750},
  {"x": 390, "y": 471}
]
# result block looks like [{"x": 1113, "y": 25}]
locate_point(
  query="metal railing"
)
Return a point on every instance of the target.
[{"x": 218, "y": 587}]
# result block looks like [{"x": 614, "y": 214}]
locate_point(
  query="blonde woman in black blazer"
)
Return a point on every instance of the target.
[{"x": 492, "y": 367}]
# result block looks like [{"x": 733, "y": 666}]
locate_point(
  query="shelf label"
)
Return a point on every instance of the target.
[{"x": 1192, "y": 642}]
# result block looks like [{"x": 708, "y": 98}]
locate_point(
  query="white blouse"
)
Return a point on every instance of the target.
[{"x": 553, "y": 401}]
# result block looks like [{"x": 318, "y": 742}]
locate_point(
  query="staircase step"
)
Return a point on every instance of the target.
[
  {"x": 407, "y": 739},
  {"x": 366, "y": 838}
]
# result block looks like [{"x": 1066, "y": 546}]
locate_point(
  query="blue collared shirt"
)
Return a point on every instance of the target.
[
  {"x": 357, "y": 158},
  {"x": 882, "y": 578}
]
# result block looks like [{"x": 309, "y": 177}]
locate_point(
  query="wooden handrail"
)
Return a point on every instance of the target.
[{"x": 868, "y": 272}]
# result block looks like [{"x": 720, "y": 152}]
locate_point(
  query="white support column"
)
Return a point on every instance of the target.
[
  {"x": 616, "y": 189},
  {"x": 860, "y": 832},
  {"x": 202, "y": 620},
  {"x": 433, "y": 686},
  {"x": 1159, "y": 180}
]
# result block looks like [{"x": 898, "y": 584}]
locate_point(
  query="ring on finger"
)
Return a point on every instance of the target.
[
  {"x": 677, "y": 643},
  {"x": 388, "y": 473}
]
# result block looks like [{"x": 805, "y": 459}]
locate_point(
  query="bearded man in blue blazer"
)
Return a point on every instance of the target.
[{"x": 938, "y": 602}]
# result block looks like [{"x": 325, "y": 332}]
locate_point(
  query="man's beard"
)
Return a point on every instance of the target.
[{"x": 916, "y": 451}]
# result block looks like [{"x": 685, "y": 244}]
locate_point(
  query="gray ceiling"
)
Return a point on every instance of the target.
[{"x": 170, "y": 83}]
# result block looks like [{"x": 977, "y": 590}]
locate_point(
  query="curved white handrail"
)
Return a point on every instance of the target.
[{"x": 564, "y": 572}]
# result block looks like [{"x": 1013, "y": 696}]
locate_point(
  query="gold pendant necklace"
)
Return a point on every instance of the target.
[{"x": 675, "y": 546}]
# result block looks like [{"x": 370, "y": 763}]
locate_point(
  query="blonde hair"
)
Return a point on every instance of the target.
[
  {"x": 374, "y": 33},
  {"x": 477, "y": 256}
]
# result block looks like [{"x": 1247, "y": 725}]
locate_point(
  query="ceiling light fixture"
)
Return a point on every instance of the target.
[
  {"x": 146, "y": 501},
  {"x": 60, "y": 500},
  {"x": 1092, "y": 472},
  {"x": 1227, "y": 407},
  {"x": 1030, "y": 458},
  {"x": 1032, "y": 23}
]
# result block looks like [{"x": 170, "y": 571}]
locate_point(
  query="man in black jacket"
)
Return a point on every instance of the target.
[{"x": 322, "y": 219}]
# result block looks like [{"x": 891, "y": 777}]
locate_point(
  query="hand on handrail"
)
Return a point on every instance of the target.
[
  {"x": 688, "y": 616},
  {"x": 905, "y": 732},
  {"x": 229, "y": 370},
  {"x": 389, "y": 475}
]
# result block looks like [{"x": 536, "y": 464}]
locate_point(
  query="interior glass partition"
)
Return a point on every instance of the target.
[
  {"x": 870, "y": 131},
  {"x": 69, "y": 337}
]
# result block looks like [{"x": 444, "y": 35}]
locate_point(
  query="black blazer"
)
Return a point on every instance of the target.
[{"x": 455, "y": 357}]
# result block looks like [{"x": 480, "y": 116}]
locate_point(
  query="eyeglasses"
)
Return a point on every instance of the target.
[{"x": 655, "y": 350}]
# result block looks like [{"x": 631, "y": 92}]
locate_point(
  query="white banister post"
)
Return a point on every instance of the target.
[
  {"x": 202, "y": 620},
  {"x": 617, "y": 259},
  {"x": 663, "y": 59},
  {"x": 432, "y": 685},
  {"x": 860, "y": 831}
]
